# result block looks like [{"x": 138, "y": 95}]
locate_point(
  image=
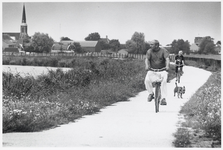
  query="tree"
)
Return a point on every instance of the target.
[
  {"x": 78, "y": 48},
  {"x": 207, "y": 46},
  {"x": 93, "y": 37},
  {"x": 41, "y": 42},
  {"x": 139, "y": 39},
  {"x": 122, "y": 46},
  {"x": 147, "y": 47},
  {"x": 65, "y": 39},
  {"x": 218, "y": 43},
  {"x": 178, "y": 45},
  {"x": 114, "y": 44},
  {"x": 104, "y": 45},
  {"x": 131, "y": 46}
]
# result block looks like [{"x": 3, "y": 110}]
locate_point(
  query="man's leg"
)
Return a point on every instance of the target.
[
  {"x": 176, "y": 70},
  {"x": 148, "y": 82},
  {"x": 164, "y": 86},
  {"x": 181, "y": 69}
]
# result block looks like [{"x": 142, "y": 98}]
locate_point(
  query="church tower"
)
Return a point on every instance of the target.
[{"x": 23, "y": 29}]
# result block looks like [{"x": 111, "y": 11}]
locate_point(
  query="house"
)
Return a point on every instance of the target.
[
  {"x": 123, "y": 51},
  {"x": 4, "y": 45},
  {"x": 194, "y": 47},
  {"x": 60, "y": 47},
  {"x": 11, "y": 50},
  {"x": 87, "y": 46},
  {"x": 106, "y": 40},
  {"x": 11, "y": 35},
  {"x": 90, "y": 46},
  {"x": 10, "y": 46},
  {"x": 108, "y": 51},
  {"x": 13, "y": 40}
]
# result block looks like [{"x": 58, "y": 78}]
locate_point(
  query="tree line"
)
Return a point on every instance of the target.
[{"x": 41, "y": 42}]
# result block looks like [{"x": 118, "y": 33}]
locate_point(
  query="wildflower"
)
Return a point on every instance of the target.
[
  {"x": 17, "y": 111},
  {"x": 24, "y": 112}
]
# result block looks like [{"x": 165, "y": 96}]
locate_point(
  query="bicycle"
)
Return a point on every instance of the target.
[
  {"x": 157, "y": 97},
  {"x": 179, "y": 73}
]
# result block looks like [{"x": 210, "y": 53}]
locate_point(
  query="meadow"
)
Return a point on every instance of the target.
[{"x": 35, "y": 104}]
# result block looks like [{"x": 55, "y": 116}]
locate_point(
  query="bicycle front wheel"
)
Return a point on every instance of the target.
[{"x": 157, "y": 97}]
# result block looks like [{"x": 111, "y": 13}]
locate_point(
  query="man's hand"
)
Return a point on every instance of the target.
[{"x": 147, "y": 68}]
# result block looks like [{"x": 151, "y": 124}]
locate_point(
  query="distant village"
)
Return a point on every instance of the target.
[{"x": 14, "y": 42}]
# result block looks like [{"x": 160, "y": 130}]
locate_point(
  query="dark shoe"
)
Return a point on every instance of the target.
[
  {"x": 150, "y": 97},
  {"x": 163, "y": 102}
]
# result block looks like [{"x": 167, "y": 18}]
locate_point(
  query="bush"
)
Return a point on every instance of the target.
[
  {"x": 182, "y": 138},
  {"x": 6, "y": 61},
  {"x": 13, "y": 62}
]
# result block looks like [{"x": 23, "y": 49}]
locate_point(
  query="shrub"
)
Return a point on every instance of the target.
[
  {"x": 13, "y": 62},
  {"x": 6, "y": 61},
  {"x": 53, "y": 62},
  {"x": 182, "y": 138}
]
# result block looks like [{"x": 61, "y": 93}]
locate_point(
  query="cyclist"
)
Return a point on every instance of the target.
[
  {"x": 179, "y": 62},
  {"x": 157, "y": 64}
]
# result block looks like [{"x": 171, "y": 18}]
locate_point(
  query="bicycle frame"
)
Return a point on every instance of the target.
[
  {"x": 157, "y": 95},
  {"x": 179, "y": 73}
]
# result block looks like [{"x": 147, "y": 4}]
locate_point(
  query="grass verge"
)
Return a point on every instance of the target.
[
  {"x": 59, "y": 97},
  {"x": 202, "y": 113}
]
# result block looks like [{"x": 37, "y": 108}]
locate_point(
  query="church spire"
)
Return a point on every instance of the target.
[
  {"x": 24, "y": 14},
  {"x": 24, "y": 27}
]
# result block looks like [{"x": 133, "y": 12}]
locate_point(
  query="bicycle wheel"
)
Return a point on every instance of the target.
[
  {"x": 157, "y": 97},
  {"x": 178, "y": 77}
]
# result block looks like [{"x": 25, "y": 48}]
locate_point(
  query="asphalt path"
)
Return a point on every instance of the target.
[{"x": 128, "y": 124}]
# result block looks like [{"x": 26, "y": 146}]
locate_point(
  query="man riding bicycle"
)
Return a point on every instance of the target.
[
  {"x": 157, "y": 65},
  {"x": 179, "y": 62}
]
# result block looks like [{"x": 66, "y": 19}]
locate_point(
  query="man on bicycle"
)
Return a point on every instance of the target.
[
  {"x": 179, "y": 62},
  {"x": 157, "y": 64}
]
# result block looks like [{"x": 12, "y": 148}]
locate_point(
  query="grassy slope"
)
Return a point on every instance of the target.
[{"x": 202, "y": 113}]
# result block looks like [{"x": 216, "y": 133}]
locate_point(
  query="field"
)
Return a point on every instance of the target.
[
  {"x": 59, "y": 97},
  {"x": 215, "y": 57}
]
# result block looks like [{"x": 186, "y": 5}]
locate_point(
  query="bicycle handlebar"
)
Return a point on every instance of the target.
[
  {"x": 179, "y": 65},
  {"x": 157, "y": 70}
]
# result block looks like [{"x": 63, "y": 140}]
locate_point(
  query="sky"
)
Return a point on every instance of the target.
[{"x": 165, "y": 20}]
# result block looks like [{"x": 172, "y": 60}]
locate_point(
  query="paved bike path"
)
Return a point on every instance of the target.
[{"x": 124, "y": 124}]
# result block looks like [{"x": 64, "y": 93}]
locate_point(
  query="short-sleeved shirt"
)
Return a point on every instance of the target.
[
  {"x": 179, "y": 59},
  {"x": 157, "y": 59}
]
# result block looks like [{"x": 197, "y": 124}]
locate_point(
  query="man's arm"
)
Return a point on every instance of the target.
[
  {"x": 175, "y": 60},
  {"x": 167, "y": 58},
  {"x": 147, "y": 63},
  {"x": 183, "y": 61},
  {"x": 167, "y": 63}
]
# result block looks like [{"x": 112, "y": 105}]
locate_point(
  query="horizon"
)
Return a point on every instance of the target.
[{"x": 164, "y": 21}]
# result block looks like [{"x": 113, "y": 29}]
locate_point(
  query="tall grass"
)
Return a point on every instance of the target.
[
  {"x": 34, "y": 104},
  {"x": 203, "y": 112},
  {"x": 31, "y": 104}
]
